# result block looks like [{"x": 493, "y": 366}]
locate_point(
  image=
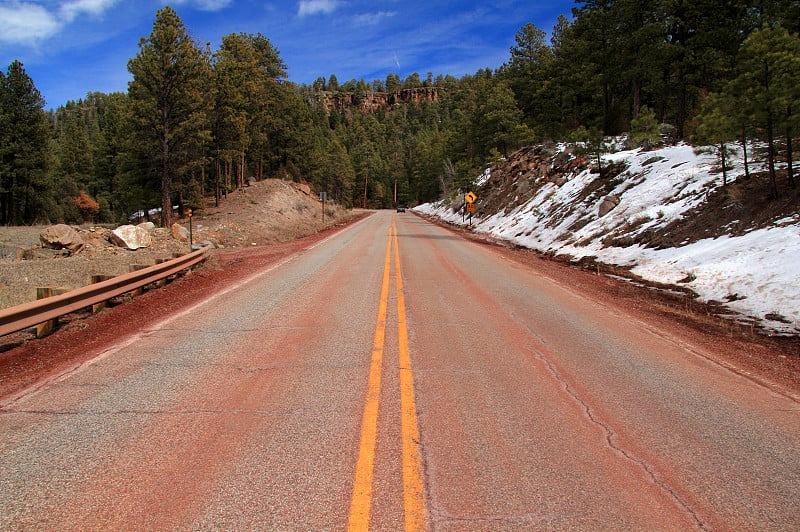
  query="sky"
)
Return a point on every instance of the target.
[{"x": 72, "y": 47}]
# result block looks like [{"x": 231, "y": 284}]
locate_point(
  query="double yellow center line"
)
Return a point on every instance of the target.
[{"x": 413, "y": 487}]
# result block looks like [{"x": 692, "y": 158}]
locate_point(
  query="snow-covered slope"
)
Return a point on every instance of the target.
[{"x": 756, "y": 274}]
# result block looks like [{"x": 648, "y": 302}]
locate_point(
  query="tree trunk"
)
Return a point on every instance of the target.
[
  {"x": 599, "y": 165},
  {"x": 771, "y": 155},
  {"x": 241, "y": 180},
  {"x": 744, "y": 151},
  {"x": 166, "y": 207},
  {"x": 606, "y": 108},
  {"x": 722, "y": 158},
  {"x": 228, "y": 171},
  {"x": 217, "y": 172},
  {"x": 681, "y": 118},
  {"x": 4, "y": 203},
  {"x": 789, "y": 168}
]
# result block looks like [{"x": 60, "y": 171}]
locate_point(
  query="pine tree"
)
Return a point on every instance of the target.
[
  {"x": 590, "y": 142},
  {"x": 644, "y": 129},
  {"x": 333, "y": 83},
  {"x": 716, "y": 126},
  {"x": 497, "y": 122},
  {"x": 767, "y": 74},
  {"x": 528, "y": 69},
  {"x": 238, "y": 83},
  {"x": 167, "y": 100},
  {"x": 23, "y": 147}
]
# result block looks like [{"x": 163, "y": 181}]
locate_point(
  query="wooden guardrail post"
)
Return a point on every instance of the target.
[
  {"x": 99, "y": 278},
  {"x": 161, "y": 282},
  {"x": 135, "y": 268},
  {"x": 42, "y": 292}
]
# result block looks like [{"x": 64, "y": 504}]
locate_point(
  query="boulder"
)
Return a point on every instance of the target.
[
  {"x": 180, "y": 233},
  {"x": 61, "y": 236},
  {"x": 130, "y": 237},
  {"x": 561, "y": 159},
  {"x": 607, "y": 205},
  {"x": 147, "y": 226},
  {"x": 302, "y": 187},
  {"x": 11, "y": 252}
]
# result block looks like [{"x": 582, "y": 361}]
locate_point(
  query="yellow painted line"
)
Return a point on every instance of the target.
[
  {"x": 362, "y": 488},
  {"x": 413, "y": 485}
]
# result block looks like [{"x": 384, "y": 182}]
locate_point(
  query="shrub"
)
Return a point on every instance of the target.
[{"x": 88, "y": 207}]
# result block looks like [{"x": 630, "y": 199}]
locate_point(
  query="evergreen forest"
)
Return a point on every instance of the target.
[{"x": 197, "y": 124}]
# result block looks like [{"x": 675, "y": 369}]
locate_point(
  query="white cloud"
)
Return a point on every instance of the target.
[
  {"x": 72, "y": 9},
  {"x": 26, "y": 23},
  {"x": 312, "y": 7},
  {"x": 206, "y": 5},
  {"x": 29, "y": 23},
  {"x": 371, "y": 19},
  {"x": 213, "y": 5}
]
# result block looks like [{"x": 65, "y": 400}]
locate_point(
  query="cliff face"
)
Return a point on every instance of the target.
[{"x": 372, "y": 101}]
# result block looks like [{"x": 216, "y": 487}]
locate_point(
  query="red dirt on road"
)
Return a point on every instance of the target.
[{"x": 26, "y": 361}]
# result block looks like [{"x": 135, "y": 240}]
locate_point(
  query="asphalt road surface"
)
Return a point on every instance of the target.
[{"x": 396, "y": 376}]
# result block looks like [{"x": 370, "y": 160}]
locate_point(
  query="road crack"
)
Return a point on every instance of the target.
[{"x": 610, "y": 436}]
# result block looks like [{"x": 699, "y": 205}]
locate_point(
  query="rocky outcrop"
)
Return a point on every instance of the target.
[
  {"x": 373, "y": 100},
  {"x": 61, "y": 236},
  {"x": 608, "y": 204},
  {"x": 130, "y": 237},
  {"x": 180, "y": 233},
  {"x": 11, "y": 252},
  {"x": 514, "y": 180}
]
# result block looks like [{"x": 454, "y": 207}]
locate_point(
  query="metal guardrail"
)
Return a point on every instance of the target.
[{"x": 21, "y": 317}]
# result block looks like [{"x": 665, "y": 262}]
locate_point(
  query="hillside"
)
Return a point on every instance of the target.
[
  {"x": 267, "y": 212},
  {"x": 660, "y": 216}
]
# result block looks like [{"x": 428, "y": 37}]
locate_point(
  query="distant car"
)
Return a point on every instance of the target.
[{"x": 401, "y": 208}]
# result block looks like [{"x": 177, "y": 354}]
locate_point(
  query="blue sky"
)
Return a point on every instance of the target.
[{"x": 71, "y": 47}]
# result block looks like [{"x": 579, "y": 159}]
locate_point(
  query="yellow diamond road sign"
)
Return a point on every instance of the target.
[{"x": 470, "y": 197}]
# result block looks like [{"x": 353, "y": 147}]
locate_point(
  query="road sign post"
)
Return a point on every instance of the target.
[{"x": 470, "y": 198}]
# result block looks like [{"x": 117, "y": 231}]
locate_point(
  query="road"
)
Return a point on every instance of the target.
[{"x": 392, "y": 376}]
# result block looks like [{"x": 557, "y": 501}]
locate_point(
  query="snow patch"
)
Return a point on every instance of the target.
[{"x": 756, "y": 274}]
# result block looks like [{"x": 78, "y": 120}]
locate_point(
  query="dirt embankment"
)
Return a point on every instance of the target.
[{"x": 267, "y": 212}]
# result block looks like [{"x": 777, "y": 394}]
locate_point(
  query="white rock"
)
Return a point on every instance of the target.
[{"x": 130, "y": 237}]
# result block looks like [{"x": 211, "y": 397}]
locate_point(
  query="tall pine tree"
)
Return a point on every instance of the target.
[
  {"x": 23, "y": 147},
  {"x": 166, "y": 100}
]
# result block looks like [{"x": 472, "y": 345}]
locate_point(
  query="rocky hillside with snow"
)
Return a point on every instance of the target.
[{"x": 663, "y": 215}]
